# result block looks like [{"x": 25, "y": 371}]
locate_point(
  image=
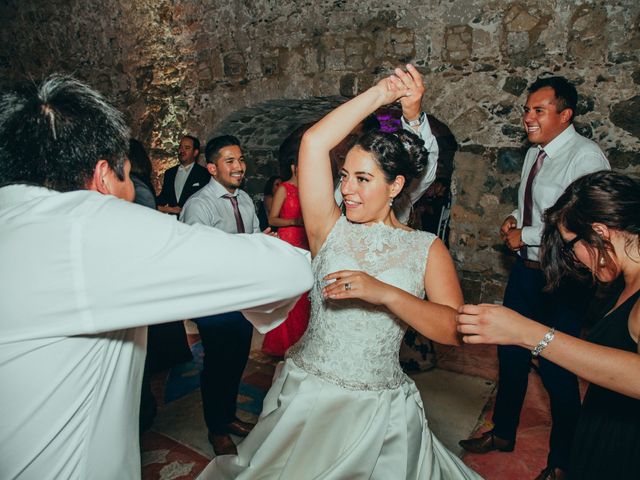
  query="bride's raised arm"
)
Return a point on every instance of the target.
[{"x": 315, "y": 181}]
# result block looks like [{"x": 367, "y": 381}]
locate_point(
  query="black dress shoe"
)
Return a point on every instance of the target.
[
  {"x": 239, "y": 428},
  {"x": 551, "y": 473},
  {"x": 487, "y": 443},
  {"x": 222, "y": 444}
]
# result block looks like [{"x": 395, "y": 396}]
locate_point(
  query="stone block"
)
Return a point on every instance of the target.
[
  {"x": 623, "y": 159},
  {"x": 234, "y": 64},
  {"x": 518, "y": 19},
  {"x": 510, "y": 159},
  {"x": 515, "y": 85},
  {"x": 625, "y": 115},
  {"x": 457, "y": 43}
]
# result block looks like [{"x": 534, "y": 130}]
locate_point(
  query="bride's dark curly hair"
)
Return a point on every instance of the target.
[
  {"x": 605, "y": 197},
  {"x": 399, "y": 153}
]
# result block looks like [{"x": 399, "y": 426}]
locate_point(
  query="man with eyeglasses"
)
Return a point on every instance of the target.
[{"x": 557, "y": 157}]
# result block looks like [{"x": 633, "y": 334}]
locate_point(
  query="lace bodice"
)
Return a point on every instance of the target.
[{"x": 350, "y": 342}]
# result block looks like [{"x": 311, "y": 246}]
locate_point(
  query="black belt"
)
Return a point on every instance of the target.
[{"x": 532, "y": 264}]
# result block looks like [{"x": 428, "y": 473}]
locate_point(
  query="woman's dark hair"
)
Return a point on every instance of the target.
[
  {"x": 268, "y": 187},
  {"x": 140, "y": 163},
  {"x": 289, "y": 149},
  {"x": 605, "y": 197},
  {"x": 399, "y": 153}
]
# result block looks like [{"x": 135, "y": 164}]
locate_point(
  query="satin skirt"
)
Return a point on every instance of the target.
[{"x": 311, "y": 428}]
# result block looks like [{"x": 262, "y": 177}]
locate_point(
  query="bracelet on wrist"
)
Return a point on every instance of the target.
[
  {"x": 417, "y": 122},
  {"x": 544, "y": 343}
]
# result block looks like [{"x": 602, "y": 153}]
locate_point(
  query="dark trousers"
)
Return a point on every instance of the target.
[
  {"x": 226, "y": 341},
  {"x": 563, "y": 309}
]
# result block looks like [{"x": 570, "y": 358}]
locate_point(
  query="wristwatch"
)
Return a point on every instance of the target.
[{"x": 417, "y": 122}]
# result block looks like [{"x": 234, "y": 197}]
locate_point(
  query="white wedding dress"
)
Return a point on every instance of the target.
[{"x": 340, "y": 406}]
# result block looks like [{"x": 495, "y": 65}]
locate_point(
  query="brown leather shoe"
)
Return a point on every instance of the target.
[
  {"x": 551, "y": 473},
  {"x": 487, "y": 443},
  {"x": 239, "y": 428},
  {"x": 222, "y": 444}
]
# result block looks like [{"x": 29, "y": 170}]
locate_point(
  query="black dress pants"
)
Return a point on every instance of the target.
[
  {"x": 564, "y": 310},
  {"x": 226, "y": 341}
]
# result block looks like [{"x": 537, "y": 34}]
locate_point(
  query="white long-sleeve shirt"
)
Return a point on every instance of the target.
[
  {"x": 569, "y": 156},
  {"x": 82, "y": 274}
]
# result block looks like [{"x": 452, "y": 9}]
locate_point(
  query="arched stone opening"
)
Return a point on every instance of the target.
[{"x": 262, "y": 128}]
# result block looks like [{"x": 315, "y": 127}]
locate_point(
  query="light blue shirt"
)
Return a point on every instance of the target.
[
  {"x": 569, "y": 156},
  {"x": 209, "y": 206}
]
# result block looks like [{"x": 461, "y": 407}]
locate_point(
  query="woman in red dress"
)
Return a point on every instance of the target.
[{"x": 286, "y": 215}]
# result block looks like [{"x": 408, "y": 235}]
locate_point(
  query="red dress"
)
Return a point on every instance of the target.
[{"x": 278, "y": 340}]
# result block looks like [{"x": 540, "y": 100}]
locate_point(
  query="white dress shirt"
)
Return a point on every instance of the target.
[
  {"x": 412, "y": 192},
  {"x": 181, "y": 178},
  {"x": 208, "y": 206},
  {"x": 81, "y": 274},
  {"x": 569, "y": 156}
]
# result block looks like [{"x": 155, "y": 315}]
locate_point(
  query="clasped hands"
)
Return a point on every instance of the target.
[
  {"x": 407, "y": 86},
  {"x": 511, "y": 235}
]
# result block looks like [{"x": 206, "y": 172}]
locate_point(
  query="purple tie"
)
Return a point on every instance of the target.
[
  {"x": 527, "y": 213},
  {"x": 236, "y": 212}
]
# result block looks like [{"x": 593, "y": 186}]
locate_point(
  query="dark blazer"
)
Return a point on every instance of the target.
[{"x": 198, "y": 178}]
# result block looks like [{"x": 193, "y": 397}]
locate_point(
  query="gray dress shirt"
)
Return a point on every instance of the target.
[{"x": 209, "y": 206}]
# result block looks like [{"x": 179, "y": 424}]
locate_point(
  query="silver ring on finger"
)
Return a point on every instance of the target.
[{"x": 347, "y": 286}]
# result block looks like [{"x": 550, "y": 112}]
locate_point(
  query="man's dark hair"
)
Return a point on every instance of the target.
[
  {"x": 566, "y": 94},
  {"x": 212, "y": 150},
  {"x": 196, "y": 142},
  {"x": 52, "y": 135}
]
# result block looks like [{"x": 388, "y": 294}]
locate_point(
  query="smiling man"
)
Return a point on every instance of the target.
[
  {"x": 226, "y": 339},
  {"x": 557, "y": 157}
]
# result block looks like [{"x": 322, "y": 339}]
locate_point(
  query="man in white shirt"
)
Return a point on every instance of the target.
[
  {"x": 183, "y": 180},
  {"x": 226, "y": 339},
  {"x": 83, "y": 272},
  {"x": 558, "y": 156}
]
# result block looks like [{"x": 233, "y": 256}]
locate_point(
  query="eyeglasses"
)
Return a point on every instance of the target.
[{"x": 567, "y": 248}]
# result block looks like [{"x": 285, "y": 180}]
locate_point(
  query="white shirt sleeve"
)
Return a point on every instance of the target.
[
  {"x": 421, "y": 184},
  {"x": 117, "y": 265}
]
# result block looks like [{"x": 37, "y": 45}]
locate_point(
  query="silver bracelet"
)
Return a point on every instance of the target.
[{"x": 546, "y": 340}]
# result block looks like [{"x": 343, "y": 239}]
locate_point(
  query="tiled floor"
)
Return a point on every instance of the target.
[{"x": 164, "y": 458}]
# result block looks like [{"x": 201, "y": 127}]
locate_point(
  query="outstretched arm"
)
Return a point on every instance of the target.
[
  {"x": 319, "y": 208},
  {"x": 434, "y": 318},
  {"x": 611, "y": 368}
]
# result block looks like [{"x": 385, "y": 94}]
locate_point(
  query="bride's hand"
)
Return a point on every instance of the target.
[
  {"x": 392, "y": 88},
  {"x": 355, "y": 284}
]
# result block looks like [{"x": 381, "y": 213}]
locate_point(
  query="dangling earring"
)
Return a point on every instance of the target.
[
  {"x": 602, "y": 262},
  {"x": 391, "y": 202}
]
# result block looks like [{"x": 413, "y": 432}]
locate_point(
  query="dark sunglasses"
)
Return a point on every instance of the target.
[{"x": 567, "y": 248}]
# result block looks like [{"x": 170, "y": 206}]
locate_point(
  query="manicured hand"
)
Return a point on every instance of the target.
[
  {"x": 391, "y": 88},
  {"x": 355, "y": 284},
  {"x": 493, "y": 324}
]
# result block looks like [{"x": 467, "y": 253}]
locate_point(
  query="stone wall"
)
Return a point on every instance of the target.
[{"x": 177, "y": 66}]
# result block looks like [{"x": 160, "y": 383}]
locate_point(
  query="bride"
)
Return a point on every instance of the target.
[{"x": 340, "y": 406}]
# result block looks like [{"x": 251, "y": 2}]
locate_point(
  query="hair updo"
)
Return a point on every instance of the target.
[{"x": 399, "y": 153}]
